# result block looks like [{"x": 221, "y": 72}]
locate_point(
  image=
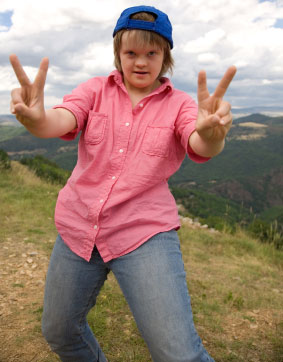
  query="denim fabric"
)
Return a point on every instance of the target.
[{"x": 153, "y": 281}]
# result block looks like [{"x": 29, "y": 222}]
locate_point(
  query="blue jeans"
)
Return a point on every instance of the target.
[{"x": 153, "y": 281}]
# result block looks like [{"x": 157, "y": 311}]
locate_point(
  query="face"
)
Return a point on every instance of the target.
[{"x": 140, "y": 65}]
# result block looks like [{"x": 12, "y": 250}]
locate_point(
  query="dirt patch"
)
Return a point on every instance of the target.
[{"x": 23, "y": 269}]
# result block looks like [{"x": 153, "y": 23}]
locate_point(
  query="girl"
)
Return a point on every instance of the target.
[{"x": 116, "y": 212}]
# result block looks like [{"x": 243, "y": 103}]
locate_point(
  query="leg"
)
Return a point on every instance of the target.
[
  {"x": 153, "y": 281},
  {"x": 72, "y": 286}
]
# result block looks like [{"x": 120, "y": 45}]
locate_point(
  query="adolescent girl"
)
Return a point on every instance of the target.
[{"x": 116, "y": 212}]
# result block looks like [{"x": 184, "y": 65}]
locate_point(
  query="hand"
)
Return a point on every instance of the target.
[
  {"x": 27, "y": 102},
  {"x": 214, "y": 116}
]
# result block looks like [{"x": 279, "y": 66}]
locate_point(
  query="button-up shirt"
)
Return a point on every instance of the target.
[{"x": 118, "y": 196}]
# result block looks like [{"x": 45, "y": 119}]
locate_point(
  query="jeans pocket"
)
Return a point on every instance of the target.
[{"x": 96, "y": 127}]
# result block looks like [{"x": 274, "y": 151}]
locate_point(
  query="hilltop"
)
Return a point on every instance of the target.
[{"x": 236, "y": 285}]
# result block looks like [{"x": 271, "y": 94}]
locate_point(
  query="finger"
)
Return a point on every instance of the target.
[
  {"x": 202, "y": 86},
  {"x": 12, "y": 107},
  {"x": 19, "y": 71},
  {"x": 224, "y": 108},
  {"x": 209, "y": 121},
  {"x": 16, "y": 96},
  {"x": 40, "y": 78},
  {"x": 227, "y": 120},
  {"x": 22, "y": 111},
  {"x": 225, "y": 82}
]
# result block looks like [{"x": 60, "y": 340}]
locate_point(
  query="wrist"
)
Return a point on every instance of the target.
[{"x": 206, "y": 147}]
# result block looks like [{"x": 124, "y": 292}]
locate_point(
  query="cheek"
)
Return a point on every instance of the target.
[{"x": 125, "y": 63}]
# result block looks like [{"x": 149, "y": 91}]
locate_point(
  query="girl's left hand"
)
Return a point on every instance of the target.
[{"x": 214, "y": 114}]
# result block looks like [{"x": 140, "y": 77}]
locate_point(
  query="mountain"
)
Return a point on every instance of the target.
[
  {"x": 270, "y": 111},
  {"x": 19, "y": 143},
  {"x": 248, "y": 172}
]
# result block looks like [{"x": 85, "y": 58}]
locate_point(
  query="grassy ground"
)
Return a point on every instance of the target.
[{"x": 235, "y": 284}]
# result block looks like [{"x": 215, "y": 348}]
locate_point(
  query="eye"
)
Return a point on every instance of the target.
[
  {"x": 152, "y": 53},
  {"x": 130, "y": 53}
]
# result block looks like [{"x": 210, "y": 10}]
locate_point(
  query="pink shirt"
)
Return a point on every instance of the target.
[{"x": 117, "y": 196}]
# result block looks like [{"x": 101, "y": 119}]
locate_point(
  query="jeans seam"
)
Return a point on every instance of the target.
[{"x": 88, "y": 307}]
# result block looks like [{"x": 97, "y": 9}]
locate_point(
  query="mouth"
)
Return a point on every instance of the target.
[{"x": 142, "y": 73}]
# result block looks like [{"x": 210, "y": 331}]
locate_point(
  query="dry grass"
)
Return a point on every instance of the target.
[{"x": 235, "y": 284}]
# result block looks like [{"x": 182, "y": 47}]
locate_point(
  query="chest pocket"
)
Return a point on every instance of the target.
[
  {"x": 158, "y": 141},
  {"x": 96, "y": 127}
]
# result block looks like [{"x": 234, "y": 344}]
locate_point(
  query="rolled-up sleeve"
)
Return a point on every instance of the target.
[{"x": 79, "y": 102}]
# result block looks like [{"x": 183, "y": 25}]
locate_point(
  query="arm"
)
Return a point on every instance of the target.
[
  {"x": 214, "y": 117},
  {"x": 27, "y": 103}
]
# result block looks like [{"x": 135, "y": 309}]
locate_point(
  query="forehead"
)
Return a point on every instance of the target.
[{"x": 138, "y": 39}]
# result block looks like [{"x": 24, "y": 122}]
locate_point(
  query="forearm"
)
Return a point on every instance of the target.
[
  {"x": 55, "y": 123},
  {"x": 205, "y": 148}
]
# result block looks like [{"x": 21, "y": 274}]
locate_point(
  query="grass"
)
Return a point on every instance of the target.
[
  {"x": 235, "y": 283},
  {"x": 28, "y": 203}
]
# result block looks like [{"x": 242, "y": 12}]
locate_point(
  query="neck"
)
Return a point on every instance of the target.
[{"x": 141, "y": 92}]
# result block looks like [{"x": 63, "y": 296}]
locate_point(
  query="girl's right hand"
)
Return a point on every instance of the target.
[{"x": 27, "y": 102}]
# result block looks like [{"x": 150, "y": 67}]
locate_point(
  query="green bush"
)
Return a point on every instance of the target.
[
  {"x": 5, "y": 162},
  {"x": 267, "y": 232},
  {"x": 46, "y": 169}
]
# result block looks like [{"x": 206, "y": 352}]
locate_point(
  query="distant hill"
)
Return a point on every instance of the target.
[
  {"x": 270, "y": 111},
  {"x": 249, "y": 171},
  {"x": 19, "y": 143}
]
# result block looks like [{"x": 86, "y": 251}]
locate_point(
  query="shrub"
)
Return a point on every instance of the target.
[
  {"x": 5, "y": 162},
  {"x": 267, "y": 232},
  {"x": 46, "y": 169}
]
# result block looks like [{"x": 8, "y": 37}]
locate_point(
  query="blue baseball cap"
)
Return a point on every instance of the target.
[{"x": 161, "y": 25}]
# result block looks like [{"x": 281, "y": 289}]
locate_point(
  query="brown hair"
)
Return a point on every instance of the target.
[{"x": 143, "y": 37}]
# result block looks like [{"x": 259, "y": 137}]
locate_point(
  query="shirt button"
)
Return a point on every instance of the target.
[
  {"x": 121, "y": 150},
  {"x": 101, "y": 200},
  {"x": 95, "y": 227},
  {"x": 127, "y": 124},
  {"x": 113, "y": 177},
  {"x": 141, "y": 105}
]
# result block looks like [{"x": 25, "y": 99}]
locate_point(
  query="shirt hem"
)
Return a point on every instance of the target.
[{"x": 129, "y": 250}]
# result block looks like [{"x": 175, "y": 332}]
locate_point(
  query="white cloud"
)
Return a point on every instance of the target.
[{"x": 77, "y": 37}]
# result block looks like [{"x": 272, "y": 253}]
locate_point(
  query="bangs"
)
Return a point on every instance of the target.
[{"x": 141, "y": 38}]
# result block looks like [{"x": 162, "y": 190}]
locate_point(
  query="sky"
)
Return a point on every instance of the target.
[{"x": 76, "y": 36}]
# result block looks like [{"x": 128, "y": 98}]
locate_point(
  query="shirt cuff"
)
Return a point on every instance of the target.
[{"x": 73, "y": 134}]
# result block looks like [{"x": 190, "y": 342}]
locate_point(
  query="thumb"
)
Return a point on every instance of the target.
[
  {"x": 23, "y": 111},
  {"x": 209, "y": 122}
]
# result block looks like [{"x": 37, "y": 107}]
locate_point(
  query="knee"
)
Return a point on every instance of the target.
[
  {"x": 49, "y": 330},
  {"x": 56, "y": 331}
]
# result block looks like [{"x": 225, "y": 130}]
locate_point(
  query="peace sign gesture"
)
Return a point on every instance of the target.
[
  {"x": 27, "y": 102},
  {"x": 214, "y": 116}
]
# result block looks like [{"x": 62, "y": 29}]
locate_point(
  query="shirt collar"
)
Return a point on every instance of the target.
[{"x": 117, "y": 77}]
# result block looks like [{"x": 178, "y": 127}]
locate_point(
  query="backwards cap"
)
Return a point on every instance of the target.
[{"x": 161, "y": 25}]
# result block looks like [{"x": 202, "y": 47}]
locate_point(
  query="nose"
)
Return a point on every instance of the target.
[{"x": 141, "y": 61}]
